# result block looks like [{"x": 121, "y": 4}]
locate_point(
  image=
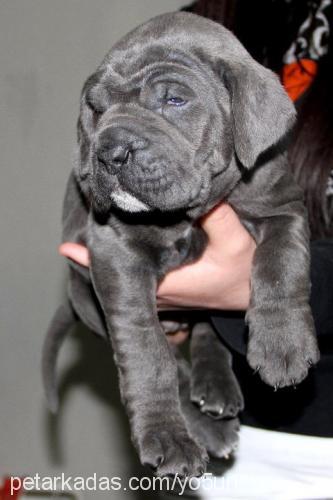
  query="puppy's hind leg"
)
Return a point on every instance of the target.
[
  {"x": 61, "y": 322},
  {"x": 219, "y": 437},
  {"x": 214, "y": 387}
]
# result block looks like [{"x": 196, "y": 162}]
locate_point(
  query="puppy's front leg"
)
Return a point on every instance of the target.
[
  {"x": 125, "y": 285},
  {"x": 282, "y": 343}
]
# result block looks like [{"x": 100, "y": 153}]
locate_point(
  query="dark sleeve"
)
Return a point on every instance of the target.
[{"x": 309, "y": 408}]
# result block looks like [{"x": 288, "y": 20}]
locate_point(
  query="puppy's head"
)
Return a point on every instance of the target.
[{"x": 168, "y": 111}]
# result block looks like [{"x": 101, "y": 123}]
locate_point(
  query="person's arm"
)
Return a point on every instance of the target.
[{"x": 220, "y": 279}]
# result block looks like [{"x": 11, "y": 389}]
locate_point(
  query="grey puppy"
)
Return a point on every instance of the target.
[{"x": 177, "y": 118}]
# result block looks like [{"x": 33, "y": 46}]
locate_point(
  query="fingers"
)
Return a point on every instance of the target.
[
  {"x": 76, "y": 252},
  {"x": 220, "y": 219}
]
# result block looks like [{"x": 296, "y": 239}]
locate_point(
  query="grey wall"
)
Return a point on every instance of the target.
[{"x": 47, "y": 50}]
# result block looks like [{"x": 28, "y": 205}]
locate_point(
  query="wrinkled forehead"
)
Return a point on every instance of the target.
[
  {"x": 179, "y": 39},
  {"x": 154, "y": 60}
]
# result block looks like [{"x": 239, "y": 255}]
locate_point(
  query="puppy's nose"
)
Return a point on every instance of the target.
[
  {"x": 115, "y": 156},
  {"x": 119, "y": 155}
]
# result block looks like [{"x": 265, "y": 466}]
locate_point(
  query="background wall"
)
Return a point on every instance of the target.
[{"x": 48, "y": 48}]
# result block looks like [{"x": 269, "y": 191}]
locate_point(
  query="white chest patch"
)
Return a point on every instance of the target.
[{"x": 128, "y": 202}]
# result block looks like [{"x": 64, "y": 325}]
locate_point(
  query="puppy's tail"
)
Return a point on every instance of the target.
[{"x": 63, "y": 319}]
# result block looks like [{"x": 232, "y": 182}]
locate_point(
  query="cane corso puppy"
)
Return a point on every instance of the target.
[{"x": 177, "y": 118}]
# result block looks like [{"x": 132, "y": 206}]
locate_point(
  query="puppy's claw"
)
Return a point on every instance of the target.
[
  {"x": 221, "y": 410},
  {"x": 257, "y": 370},
  {"x": 201, "y": 472},
  {"x": 202, "y": 402}
]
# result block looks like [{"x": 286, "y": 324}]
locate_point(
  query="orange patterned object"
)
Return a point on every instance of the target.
[{"x": 298, "y": 76}]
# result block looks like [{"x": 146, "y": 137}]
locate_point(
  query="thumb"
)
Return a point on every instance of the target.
[
  {"x": 77, "y": 253},
  {"x": 221, "y": 220}
]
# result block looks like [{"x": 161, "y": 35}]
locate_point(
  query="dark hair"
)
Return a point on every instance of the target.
[
  {"x": 267, "y": 28},
  {"x": 311, "y": 150}
]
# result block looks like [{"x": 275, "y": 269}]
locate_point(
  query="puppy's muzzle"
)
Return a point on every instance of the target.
[
  {"x": 144, "y": 161},
  {"x": 117, "y": 148}
]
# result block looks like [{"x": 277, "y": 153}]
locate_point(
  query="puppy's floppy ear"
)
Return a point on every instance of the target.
[{"x": 262, "y": 112}]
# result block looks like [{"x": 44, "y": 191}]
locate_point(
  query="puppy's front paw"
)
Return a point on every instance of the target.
[
  {"x": 218, "y": 395},
  {"x": 171, "y": 452},
  {"x": 282, "y": 345}
]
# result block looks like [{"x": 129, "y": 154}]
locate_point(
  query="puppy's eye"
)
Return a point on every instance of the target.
[{"x": 176, "y": 101}]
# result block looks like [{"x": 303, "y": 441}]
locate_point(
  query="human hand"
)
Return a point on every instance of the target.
[{"x": 219, "y": 279}]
